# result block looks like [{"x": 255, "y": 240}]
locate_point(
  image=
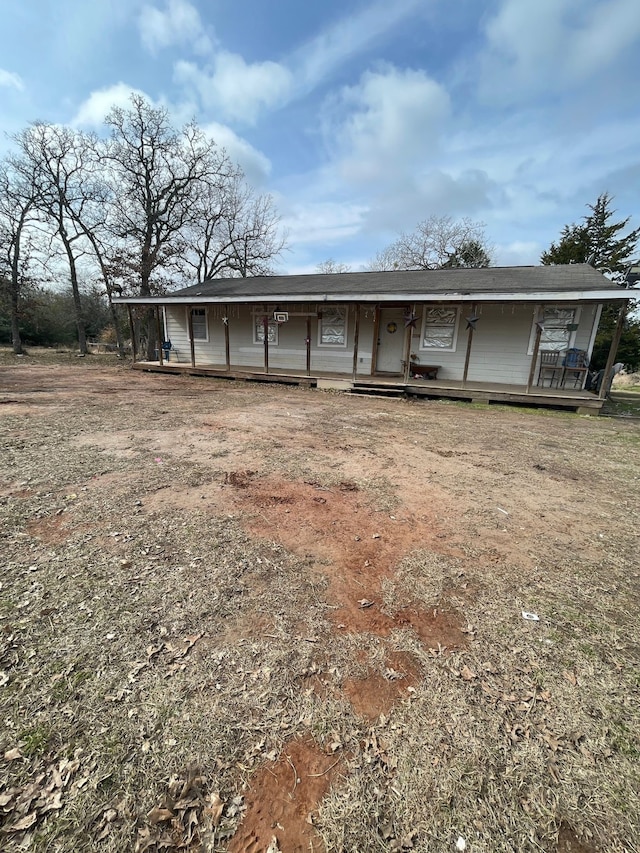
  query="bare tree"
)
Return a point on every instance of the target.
[
  {"x": 255, "y": 235},
  {"x": 235, "y": 233},
  {"x": 18, "y": 194},
  {"x": 331, "y": 266},
  {"x": 157, "y": 173},
  {"x": 58, "y": 157},
  {"x": 438, "y": 242}
]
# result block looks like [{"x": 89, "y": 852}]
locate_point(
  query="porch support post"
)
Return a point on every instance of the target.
[
  {"x": 536, "y": 347},
  {"x": 192, "y": 344},
  {"x": 308, "y": 344},
  {"x": 605, "y": 385},
  {"x": 132, "y": 332},
  {"x": 265, "y": 326},
  {"x": 408, "y": 333},
  {"x": 160, "y": 336},
  {"x": 356, "y": 336},
  {"x": 376, "y": 332},
  {"x": 227, "y": 346},
  {"x": 469, "y": 342}
]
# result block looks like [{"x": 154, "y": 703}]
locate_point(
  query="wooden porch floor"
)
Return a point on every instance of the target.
[{"x": 561, "y": 398}]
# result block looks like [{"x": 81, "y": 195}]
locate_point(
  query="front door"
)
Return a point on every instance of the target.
[{"x": 390, "y": 341}]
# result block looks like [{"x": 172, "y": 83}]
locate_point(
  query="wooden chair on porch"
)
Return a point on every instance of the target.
[
  {"x": 551, "y": 368},
  {"x": 575, "y": 368}
]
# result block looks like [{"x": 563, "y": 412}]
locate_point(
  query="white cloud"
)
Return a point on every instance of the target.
[
  {"x": 253, "y": 163},
  {"x": 179, "y": 24},
  {"x": 11, "y": 80},
  {"x": 395, "y": 123},
  {"x": 91, "y": 112},
  {"x": 235, "y": 88},
  {"x": 518, "y": 253},
  {"x": 544, "y": 46},
  {"x": 349, "y": 36},
  {"x": 320, "y": 222}
]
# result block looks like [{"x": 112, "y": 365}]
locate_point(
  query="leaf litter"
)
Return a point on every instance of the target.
[{"x": 224, "y": 650}]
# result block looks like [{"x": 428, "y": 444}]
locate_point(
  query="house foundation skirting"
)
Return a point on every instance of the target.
[{"x": 477, "y": 392}]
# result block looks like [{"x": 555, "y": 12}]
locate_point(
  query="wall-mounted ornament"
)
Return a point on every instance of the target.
[{"x": 392, "y": 327}]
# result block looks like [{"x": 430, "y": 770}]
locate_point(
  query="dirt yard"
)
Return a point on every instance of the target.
[{"x": 241, "y": 617}]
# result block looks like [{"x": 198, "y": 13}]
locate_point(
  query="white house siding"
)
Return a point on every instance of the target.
[
  {"x": 289, "y": 353},
  {"x": 500, "y": 350}
]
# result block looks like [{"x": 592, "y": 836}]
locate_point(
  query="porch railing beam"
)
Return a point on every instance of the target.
[
  {"x": 605, "y": 385},
  {"x": 467, "y": 357},
  {"x": 356, "y": 336},
  {"x": 192, "y": 345}
]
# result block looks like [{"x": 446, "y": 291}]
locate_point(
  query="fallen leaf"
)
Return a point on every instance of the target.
[
  {"x": 55, "y": 803},
  {"x": 467, "y": 673},
  {"x": 24, "y": 823},
  {"x": 273, "y": 846},
  {"x": 571, "y": 678},
  {"x": 214, "y": 808},
  {"x": 12, "y": 754},
  {"x": 158, "y": 815},
  {"x": 364, "y": 602}
]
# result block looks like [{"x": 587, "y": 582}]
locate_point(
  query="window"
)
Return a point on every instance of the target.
[
  {"x": 560, "y": 323},
  {"x": 332, "y": 326},
  {"x": 259, "y": 329},
  {"x": 439, "y": 329},
  {"x": 199, "y": 324}
]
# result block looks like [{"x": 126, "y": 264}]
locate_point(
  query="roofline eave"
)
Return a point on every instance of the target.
[{"x": 372, "y": 298}]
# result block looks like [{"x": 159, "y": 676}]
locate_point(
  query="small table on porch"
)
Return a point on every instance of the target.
[{"x": 423, "y": 371}]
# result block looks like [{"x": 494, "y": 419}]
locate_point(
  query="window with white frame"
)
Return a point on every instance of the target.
[
  {"x": 559, "y": 326},
  {"x": 199, "y": 324},
  {"x": 265, "y": 323},
  {"x": 332, "y": 326},
  {"x": 439, "y": 329}
]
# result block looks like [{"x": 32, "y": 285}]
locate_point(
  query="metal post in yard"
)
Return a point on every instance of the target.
[{"x": 132, "y": 331}]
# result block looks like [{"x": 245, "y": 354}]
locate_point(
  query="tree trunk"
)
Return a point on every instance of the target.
[
  {"x": 16, "y": 339},
  {"x": 14, "y": 291},
  {"x": 77, "y": 302},
  {"x": 145, "y": 290}
]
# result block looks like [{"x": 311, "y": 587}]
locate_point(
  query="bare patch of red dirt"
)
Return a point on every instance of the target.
[
  {"x": 356, "y": 546},
  {"x": 282, "y": 796},
  {"x": 378, "y": 692},
  {"x": 53, "y": 530},
  {"x": 568, "y": 842}
]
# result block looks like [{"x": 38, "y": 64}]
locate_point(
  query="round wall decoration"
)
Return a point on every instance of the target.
[{"x": 392, "y": 327}]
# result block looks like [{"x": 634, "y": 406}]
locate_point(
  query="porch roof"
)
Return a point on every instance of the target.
[{"x": 571, "y": 282}]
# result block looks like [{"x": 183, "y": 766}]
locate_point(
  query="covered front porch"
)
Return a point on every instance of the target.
[{"x": 570, "y": 399}]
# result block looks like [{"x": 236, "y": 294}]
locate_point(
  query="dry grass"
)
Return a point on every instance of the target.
[{"x": 156, "y": 651}]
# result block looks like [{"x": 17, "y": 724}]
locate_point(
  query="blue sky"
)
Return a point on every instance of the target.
[{"x": 363, "y": 117}]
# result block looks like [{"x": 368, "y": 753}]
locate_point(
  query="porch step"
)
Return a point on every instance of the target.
[{"x": 372, "y": 388}]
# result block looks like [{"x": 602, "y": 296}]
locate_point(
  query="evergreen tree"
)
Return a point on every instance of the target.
[{"x": 597, "y": 241}]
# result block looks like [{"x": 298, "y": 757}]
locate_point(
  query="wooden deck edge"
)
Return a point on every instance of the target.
[{"x": 374, "y": 386}]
